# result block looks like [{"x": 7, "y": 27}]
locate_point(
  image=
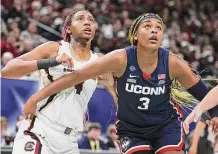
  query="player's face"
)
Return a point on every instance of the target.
[
  {"x": 83, "y": 26},
  {"x": 150, "y": 33}
]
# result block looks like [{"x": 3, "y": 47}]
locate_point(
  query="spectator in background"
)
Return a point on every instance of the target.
[
  {"x": 185, "y": 21},
  {"x": 112, "y": 138},
  {"x": 215, "y": 145},
  {"x": 3, "y": 126},
  {"x": 200, "y": 143},
  {"x": 31, "y": 35},
  {"x": 3, "y": 26},
  {"x": 92, "y": 140},
  {"x": 6, "y": 138},
  {"x": 6, "y": 57},
  {"x": 8, "y": 44},
  {"x": 19, "y": 120},
  {"x": 27, "y": 46}
]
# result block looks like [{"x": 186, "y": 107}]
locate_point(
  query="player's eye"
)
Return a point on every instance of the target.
[
  {"x": 92, "y": 20},
  {"x": 147, "y": 26},
  {"x": 159, "y": 28},
  {"x": 79, "y": 18}
]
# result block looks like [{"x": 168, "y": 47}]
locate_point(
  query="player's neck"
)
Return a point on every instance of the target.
[
  {"x": 80, "y": 51},
  {"x": 146, "y": 56}
]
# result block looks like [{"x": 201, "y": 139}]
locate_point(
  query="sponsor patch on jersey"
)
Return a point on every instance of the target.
[
  {"x": 132, "y": 68},
  {"x": 125, "y": 143},
  {"x": 29, "y": 146},
  {"x": 161, "y": 82},
  {"x": 131, "y": 80}
]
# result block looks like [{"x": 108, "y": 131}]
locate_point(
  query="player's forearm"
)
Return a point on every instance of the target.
[
  {"x": 17, "y": 68},
  {"x": 210, "y": 100},
  {"x": 65, "y": 82}
]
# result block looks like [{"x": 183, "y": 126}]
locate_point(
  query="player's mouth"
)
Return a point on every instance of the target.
[
  {"x": 87, "y": 31},
  {"x": 153, "y": 39}
]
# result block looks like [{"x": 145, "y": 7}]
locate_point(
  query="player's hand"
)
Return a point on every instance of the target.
[
  {"x": 63, "y": 58},
  {"x": 214, "y": 124},
  {"x": 29, "y": 108},
  {"x": 192, "y": 117},
  {"x": 107, "y": 80}
]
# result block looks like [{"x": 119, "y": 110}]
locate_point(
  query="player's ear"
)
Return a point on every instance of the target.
[
  {"x": 136, "y": 36},
  {"x": 68, "y": 30}
]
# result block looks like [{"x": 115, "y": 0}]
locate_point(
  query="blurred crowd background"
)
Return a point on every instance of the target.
[
  {"x": 191, "y": 29},
  {"x": 191, "y": 26}
]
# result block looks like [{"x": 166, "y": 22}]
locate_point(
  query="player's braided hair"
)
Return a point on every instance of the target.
[
  {"x": 185, "y": 100},
  {"x": 67, "y": 23},
  {"x": 137, "y": 22}
]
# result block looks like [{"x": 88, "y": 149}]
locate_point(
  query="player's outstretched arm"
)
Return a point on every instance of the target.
[
  {"x": 110, "y": 63},
  {"x": 209, "y": 101},
  {"x": 43, "y": 56}
]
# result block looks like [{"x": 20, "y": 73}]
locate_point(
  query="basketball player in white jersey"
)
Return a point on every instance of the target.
[{"x": 59, "y": 118}]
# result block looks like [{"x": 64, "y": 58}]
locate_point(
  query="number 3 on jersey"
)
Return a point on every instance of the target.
[{"x": 145, "y": 103}]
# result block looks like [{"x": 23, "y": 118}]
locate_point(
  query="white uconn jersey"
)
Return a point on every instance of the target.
[{"x": 67, "y": 108}]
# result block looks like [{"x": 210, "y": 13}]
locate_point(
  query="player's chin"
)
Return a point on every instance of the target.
[
  {"x": 87, "y": 37},
  {"x": 84, "y": 39},
  {"x": 153, "y": 46}
]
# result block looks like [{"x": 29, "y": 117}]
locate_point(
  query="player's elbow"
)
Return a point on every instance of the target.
[
  {"x": 12, "y": 69},
  {"x": 5, "y": 73}
]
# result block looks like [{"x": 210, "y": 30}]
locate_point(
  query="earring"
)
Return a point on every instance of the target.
[{"x": 68, "y": 31}]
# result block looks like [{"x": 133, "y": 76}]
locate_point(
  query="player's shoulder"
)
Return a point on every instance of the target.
[
  {"x": 175, "y": 59},
  {"x": 177, "y": 64},
  {"x": 118, "y": 54},
  {"x": 51, "y": 44},
  {"x": 49, "y": 48}
]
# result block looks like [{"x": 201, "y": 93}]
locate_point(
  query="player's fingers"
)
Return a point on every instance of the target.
[
  {"x": 99, "y": 77},
  {"x": 31, "y": 116},
  {"x": 215, "y": 131},
  {"x": 25, "y": 115},
  {"x": 208, "y": 122},
  {"x": 215, "y": 126},
  {"x": 195, "y": 118},
  {"x": 186, "y": 127},
  {"x": 190, "y": 118},
  {"x": 212, "y": 124},
  {"x": 197, "y": 115},
  {"x": 70, "y": 62}
]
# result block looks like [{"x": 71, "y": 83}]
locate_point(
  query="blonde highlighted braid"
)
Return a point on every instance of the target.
[{"x": 184, "y": 99}]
